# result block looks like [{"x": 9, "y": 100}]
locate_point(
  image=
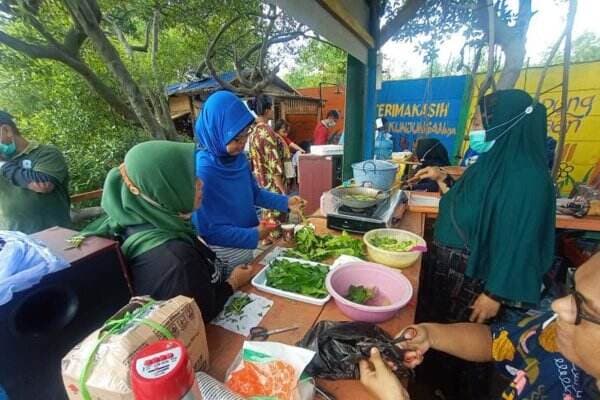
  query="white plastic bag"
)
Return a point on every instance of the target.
[
  {"x": 270, "y": 371},
  {"x": 23, "y": 263}
]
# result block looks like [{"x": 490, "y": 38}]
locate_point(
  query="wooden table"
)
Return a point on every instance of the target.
[
  {"x": 587, "y": 223},
  {"x": 56, "y": 240},
  {"x": 225, "y": 345}
]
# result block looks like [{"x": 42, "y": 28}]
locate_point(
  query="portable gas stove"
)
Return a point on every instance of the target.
[{"x": 381, "y": 215}]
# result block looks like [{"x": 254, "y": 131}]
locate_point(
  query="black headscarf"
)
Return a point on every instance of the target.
[{"x": 431, "y": 152}]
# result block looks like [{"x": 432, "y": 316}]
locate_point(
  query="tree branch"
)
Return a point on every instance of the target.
[
  {"x": 405, "y": 14},
  {"x": 265, "y": 46},
  {"x": 29, "y": 49},
  {"x": 45, "y": 52},
  {"x": 73, "y": 41}
]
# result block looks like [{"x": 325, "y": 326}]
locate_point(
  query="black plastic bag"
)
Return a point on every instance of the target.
[{"x": 340, "y": 345}]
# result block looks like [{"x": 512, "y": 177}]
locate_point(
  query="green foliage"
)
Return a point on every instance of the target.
[
  {"x": 297, "y": 277},
  {"x": 318, "y": 62},
  {"x": 360, "y": 294},
  {"x": 310, "y": 246},
  {"x": 585, "y": 47},
  {"x": 53, "y": 104}
]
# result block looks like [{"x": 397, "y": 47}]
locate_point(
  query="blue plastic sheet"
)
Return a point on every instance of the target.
[{"x": 23, "y": 263}]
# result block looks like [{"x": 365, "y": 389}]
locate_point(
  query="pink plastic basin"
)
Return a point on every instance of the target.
[{"x": 393, "y": 288}]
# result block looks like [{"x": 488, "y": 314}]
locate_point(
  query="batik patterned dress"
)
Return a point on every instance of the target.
[
  {"x": 526, "y": 353},
  {"x": 268, "y": 153}
]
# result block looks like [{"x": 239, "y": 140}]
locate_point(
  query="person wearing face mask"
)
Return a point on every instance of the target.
[
  {"x": 227, "y": 219},
  {"x": 34, "y": 182},
  {"x": 321, "y": 133},
  {"x": 544, "y": 357},
  {"x": 478, "y": 144},
  {"x": 494, "y": 235},
  {"x": 148, "y": 201}
]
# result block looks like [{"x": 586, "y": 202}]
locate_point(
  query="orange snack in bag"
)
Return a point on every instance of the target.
[{"x": 273, "y": 379}]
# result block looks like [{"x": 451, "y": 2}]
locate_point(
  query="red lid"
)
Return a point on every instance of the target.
[{"x": 161, "y": 371}]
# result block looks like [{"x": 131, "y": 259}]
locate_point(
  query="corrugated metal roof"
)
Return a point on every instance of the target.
[{"x": 208, "y": 83}]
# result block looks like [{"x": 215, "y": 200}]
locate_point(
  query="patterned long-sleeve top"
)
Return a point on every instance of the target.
[{"x": 268, "y": 153}]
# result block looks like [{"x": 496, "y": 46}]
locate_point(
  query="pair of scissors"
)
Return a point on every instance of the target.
[{"x": 261, "y": 333}]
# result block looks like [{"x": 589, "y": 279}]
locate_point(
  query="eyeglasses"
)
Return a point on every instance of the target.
[{"x": 581, "y": 314}]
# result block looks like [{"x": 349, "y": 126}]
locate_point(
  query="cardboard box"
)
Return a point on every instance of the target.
[{"x": 109, "y": 375}]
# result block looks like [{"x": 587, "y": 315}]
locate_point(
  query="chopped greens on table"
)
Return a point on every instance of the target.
[
  {"x": 310, "y": 246},
  {"x": 391, "y": 244},
  {"x": 360, "y": 294},
  {"x": 296, "y": 277},
  {"x": 236, "y": 306}
]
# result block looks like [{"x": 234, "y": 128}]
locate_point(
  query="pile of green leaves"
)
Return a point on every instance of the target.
[
  {"x": 298, "y": 278},
  {"x": 360, "y": 294},
  {"x": 237, "y": 305},
  {"x": 391, "y": 244},
  {"x": 310, "y": 246}
]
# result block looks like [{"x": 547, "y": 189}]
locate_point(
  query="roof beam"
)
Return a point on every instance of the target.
[{"x": 337, "y": 10}]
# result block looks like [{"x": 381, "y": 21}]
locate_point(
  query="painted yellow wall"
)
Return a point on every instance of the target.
[{"x": 582, "y": 145}]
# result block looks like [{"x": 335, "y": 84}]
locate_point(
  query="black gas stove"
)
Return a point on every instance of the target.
[{"x": 363, "y": 220}]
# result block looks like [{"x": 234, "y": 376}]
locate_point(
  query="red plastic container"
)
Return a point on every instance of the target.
[{"x": 162, "y": 371}]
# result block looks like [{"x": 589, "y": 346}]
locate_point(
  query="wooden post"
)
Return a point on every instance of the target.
[{"x": 565, "y": 89}]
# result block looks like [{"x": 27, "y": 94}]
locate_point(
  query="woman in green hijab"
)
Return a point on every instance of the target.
[
  {"x": 148, "y": 202},
  {"x": 494, "y": 236}
]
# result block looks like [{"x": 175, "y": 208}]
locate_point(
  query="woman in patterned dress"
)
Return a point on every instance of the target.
[{"x": 268, "y": 154}]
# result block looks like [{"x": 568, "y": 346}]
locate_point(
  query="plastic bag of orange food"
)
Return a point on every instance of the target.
[{"x": 268, "y": 371}]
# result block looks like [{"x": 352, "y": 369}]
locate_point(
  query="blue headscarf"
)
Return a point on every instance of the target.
[{"x": 223, "y": 117}]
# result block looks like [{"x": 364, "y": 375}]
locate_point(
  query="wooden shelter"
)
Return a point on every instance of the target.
[{"x": 186, "y": 98}]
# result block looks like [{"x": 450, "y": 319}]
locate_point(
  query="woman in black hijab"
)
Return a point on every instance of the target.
[{"x": 430, "y": 153}]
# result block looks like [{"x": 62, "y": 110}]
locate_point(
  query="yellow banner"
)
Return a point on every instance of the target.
[{"x": 581, "y": 155}]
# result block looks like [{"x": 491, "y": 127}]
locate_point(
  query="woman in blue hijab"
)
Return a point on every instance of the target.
[{"x": 227, "y": 220}]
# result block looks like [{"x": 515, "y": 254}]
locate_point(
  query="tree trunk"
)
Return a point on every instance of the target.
[
  {"x": 514, "y": 58},
  {"x": 82, "y": 11},
  {"x": 512, "y": 40}
]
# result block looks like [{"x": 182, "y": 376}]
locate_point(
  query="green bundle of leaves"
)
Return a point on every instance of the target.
[
  {"x": 310, "y": 246},
  {"x": 360, "y": 294},
  {"x": 298, "y": 278}
]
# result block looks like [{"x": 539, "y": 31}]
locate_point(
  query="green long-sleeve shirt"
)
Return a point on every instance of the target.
[{"x": 27, "y": 211}]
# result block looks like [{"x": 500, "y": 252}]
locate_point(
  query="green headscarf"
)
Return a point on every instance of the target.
[
  {"x": 164, "y": 174},
  {"x": 503, "y": 207}
]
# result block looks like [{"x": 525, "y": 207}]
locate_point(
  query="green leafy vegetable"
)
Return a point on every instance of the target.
[
  {"x": 299, "y": 278},
  {"x": 391, "y": 244},
  {"x": 360, "y": 294},
  {"x": 359, "y": 197},
  {"x": 310, "y": 246},
  {"x": 237, "y": 305}
]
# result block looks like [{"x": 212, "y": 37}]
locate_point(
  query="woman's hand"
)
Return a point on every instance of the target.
[
  {"x": 264, "y": 229},
  {"x": 296, "y": 204},
  {"x": 484, "y": 308},
  {"x": 433, "y": 173},
  {"x": 417, "y": 342},
  {"x": 240, "y": 276},
  {"x": 380, "y": 380}
]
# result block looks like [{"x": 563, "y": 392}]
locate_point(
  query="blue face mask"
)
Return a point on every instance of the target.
[
  {"x": 8, "y": 150},
  {"x": 477, "y": 142}
]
